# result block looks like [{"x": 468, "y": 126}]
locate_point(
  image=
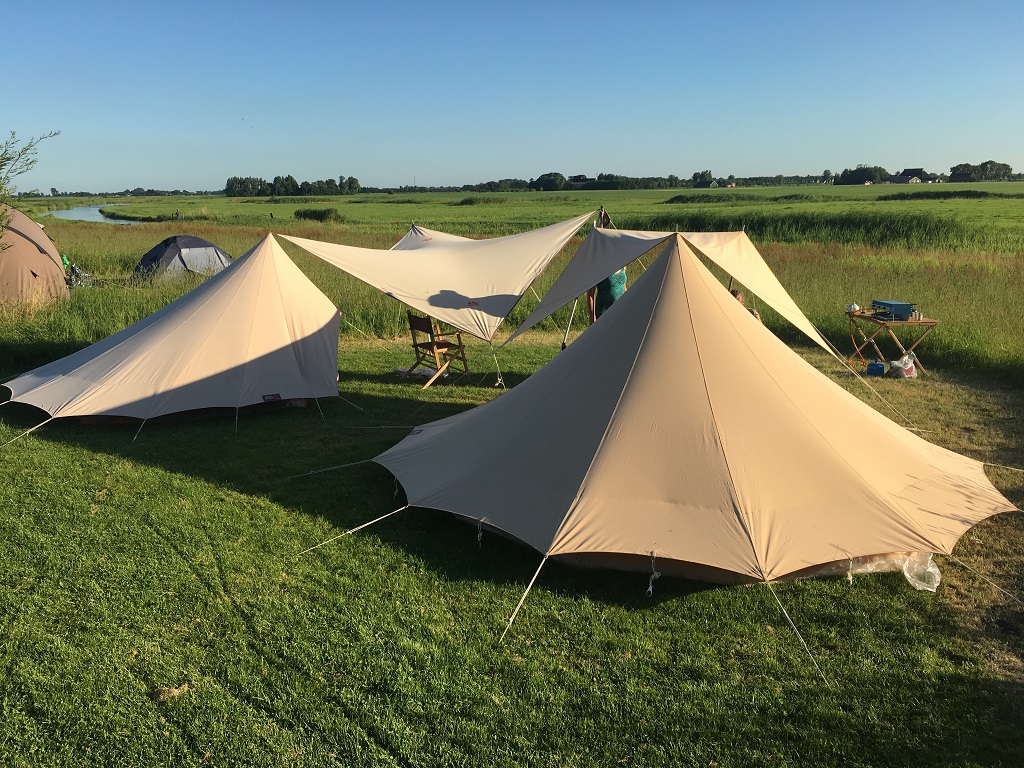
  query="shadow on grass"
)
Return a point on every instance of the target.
[
  {"x": 287, "y": 455},
  {"x": 316, "y": 460}
]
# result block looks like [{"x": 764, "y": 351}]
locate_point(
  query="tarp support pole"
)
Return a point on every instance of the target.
[
  {"x": 522, "y": 600},
  {"x": 565, "y": 339},
  {"x": 139, "y": 431}
]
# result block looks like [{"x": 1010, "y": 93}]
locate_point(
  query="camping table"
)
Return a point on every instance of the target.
[{"x": 864, "y": 317}]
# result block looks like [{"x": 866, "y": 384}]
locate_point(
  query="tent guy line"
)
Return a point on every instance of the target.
[{"x": 351, "y": 531}]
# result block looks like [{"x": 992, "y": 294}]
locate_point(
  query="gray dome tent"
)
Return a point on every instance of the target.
[{"x": 180, "y": 254}]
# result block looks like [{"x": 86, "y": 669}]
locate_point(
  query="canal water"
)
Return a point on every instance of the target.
[{"x": 88, "y": 213}]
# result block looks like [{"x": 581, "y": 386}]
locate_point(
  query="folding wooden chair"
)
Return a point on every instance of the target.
[{"x": 435, "y": 349}]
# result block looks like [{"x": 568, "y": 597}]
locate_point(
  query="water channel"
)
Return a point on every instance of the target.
[{"x": 89, "y": 213}]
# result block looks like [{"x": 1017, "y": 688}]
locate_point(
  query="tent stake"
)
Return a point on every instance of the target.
[
  {"x": 798, "y": 635},
  {"x": 353, "y": 530},
  {"x": 522, "y": 600}
]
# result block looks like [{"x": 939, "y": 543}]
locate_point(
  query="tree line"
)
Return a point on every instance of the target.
[{"x": 287, "y": 186}]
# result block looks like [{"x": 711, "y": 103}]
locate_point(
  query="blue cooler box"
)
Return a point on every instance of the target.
[
  {"x": 876, "y": 369},
  {"x": 893, "y": 310}
]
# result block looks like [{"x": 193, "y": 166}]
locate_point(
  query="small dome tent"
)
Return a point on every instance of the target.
[
  {"x": 31, "y": 269},
  {"x": 180, "y": 254}
]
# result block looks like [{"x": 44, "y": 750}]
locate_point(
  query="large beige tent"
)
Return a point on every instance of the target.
[
  {"x": 258, "y": 331},
  {"x": 470, "y": 284},
  {"x": 31, "y": 270},
  {"x": 679, "y": 427},
  {"x": 607, "y": 250}
]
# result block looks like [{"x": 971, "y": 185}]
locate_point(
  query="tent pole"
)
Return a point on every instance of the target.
[
  {"x": 522, "y": 600},
  {"x": 352, "y": 530},
  {"x": 144, "y": 424},
  {"x": 565, "y": 339},
  {"x": 798, "y": 635}
]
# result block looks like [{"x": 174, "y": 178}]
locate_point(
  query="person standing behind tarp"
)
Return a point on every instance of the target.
[
  {"x": 604, "y": 294},
  {"x": 609, "y": 290},
  {"x": 738, "y": 295}
]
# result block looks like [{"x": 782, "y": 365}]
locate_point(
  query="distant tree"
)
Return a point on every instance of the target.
[
  {"x": 990, "y": 170},
  {"x": 862, "y": 174},
  {"x": 352, "y": 186},
  {"x": 702, "y": 178},
  {"x": 549, "y": 182},
  {"x": 826, "y": 176}
]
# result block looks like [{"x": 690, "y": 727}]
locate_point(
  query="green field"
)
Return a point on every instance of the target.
[{"x": 155, "y": 610}]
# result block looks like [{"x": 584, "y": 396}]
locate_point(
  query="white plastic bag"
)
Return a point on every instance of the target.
[
  {"x": 922, "y": 572},
  {"x": 904, "y": 368}
]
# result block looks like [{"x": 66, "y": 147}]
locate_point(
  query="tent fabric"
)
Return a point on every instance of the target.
[
  {"x": 679, "y": 427},
  {"x": 421, "y": 237},
  {"x": 31, "y": 269},
  {"x": 181, "y": 254},
  {"x": 607, "y": 250},
  {"x": 258, "y": 331},
  {"x": 470, "y": 284}
]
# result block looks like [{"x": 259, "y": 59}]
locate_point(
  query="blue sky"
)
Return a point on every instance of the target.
[{"x": 183, "y": 95}]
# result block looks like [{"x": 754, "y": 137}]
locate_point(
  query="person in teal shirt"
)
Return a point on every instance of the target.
[{"x": 606, "y": 293}]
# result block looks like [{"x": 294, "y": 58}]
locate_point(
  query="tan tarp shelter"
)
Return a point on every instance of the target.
[
  {"x": 680, "y": 427},
  {"x": 607, "y": 250},
  {"x": 421, "y": 237},
  {"x": 31, "y": 270},
  {"x": 470, "y": 284},
  {"x": 258, "y": 331}
]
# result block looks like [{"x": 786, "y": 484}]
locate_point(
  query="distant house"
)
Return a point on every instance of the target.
[
  {"x": 706, "y": 184},
  {"x": 911, "y": 176},
  {"x": 577, "y": 182}
]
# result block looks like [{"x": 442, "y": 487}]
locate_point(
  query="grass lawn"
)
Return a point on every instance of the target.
[
  {"x": 155, "y": 609},
  {"x": 158, "y": 605}
]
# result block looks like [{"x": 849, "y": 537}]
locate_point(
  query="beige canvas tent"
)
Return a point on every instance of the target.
[
  {"x": 258, "y": 331},
  {"x": 31, "y": 270},
  {"x": 470, "y": 284},
  {"x": 607, "y": 250},
  {"x": 679, "y": 427}
]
